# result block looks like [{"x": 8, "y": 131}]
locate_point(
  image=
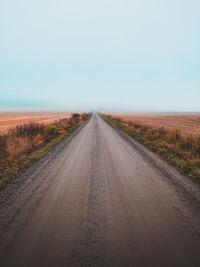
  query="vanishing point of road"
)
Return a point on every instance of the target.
[{"x": 100, "y": 199}]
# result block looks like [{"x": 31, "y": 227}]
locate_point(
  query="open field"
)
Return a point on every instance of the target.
[
  {"x": 9, "y": 120},
  {"x": 186, "y": 123}
]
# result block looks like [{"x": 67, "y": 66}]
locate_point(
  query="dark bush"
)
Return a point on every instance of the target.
[
  {"x": 76, "y": 117},
  {"x": 27, "y": 130},
  {"x": 3, "y": 146},
  {"x": 50, "y": 129}
]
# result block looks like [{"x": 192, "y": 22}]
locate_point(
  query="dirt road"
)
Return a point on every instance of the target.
[{"x": 100, "y": 199}]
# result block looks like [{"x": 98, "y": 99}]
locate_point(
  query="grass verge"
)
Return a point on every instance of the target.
[
  {"x": 28, "y": 143},
  {"x": 160, "y": 145}
]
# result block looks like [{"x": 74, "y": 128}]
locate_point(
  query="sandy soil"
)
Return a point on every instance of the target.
[
  {"x": 187, "y": 123},
  {"x": 10, "y": 120}
]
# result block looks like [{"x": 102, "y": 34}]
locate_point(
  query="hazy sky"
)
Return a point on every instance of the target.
[{"x": 115, "y": 54}]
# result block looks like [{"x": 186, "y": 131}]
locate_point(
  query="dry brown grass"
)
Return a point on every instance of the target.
[
  {"x": 186, "y": 123},
  {"x": 28, "y": 142},
  {"x": 17, "y": 146},
  {"x": 181, "y": 150},
  {"x": 27, "y": 137},
  {"x": 9, "y": 120}
]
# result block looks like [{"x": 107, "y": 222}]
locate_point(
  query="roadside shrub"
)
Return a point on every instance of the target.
[
  {"x": 30, "y": 129},
  {"x": 85, "y": 116},
  {"x": 76, "y": 117},
  {"x": 63, "y": 124},
  {"x": 17, "y": 146},
  {"x": 3, "y": 146},
  {"x": 50, "y": 130}
]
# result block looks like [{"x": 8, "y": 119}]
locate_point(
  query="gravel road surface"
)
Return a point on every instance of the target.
[{"x": 100, "y": 199}]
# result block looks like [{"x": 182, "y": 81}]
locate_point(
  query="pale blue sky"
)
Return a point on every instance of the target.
[{"x": 115, "y": 54}]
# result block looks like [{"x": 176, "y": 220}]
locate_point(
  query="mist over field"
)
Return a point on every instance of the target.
[{"x": 108, "y": 55}]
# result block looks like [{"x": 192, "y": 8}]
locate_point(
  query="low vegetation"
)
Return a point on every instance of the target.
[
  {"x": 181, "y": 150},
  {"x": 188, "y": 123},
  {"x": 9, "y": 120},
  {"x": 29, "y": 142}
]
